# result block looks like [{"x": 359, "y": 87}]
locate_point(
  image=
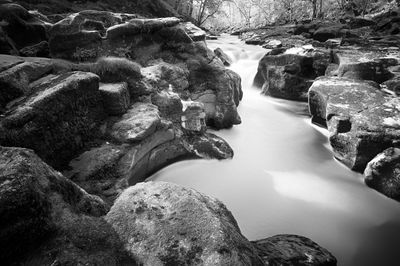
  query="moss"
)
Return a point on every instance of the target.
[{"x": 114, "y": 69}]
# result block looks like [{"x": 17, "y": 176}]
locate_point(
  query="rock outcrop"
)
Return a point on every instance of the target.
[
  {"x": 46, "y": 218},
  {"x": 293, "y": 250},
  {"x": 165, "y": 224}
]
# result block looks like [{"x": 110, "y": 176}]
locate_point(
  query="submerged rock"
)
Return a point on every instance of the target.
[
  {"x": 288, "y": 250},
  {"x": 163, "y": 223},
  {"x": 383, "y": 173}
]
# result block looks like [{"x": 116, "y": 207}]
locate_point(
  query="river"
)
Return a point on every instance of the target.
[{"x": 284, "y": 180}]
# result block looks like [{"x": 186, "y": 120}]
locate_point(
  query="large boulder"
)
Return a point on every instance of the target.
[
  {"x": 57, "y": 118},
  {"x": 166, "y": 224},
  {"x": 290, "y": 75},
  {"x": 383, "y": 173},
  {"x": 46, "y": 217},
  {"x": 362, "y": 120},
  {"x": 296, "y": 250}
]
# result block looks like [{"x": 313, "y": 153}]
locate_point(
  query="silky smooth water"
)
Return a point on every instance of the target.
[{"x": 284, "y": 180}]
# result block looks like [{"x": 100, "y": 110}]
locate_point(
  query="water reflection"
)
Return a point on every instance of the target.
[{"x": 283, "y": 178}]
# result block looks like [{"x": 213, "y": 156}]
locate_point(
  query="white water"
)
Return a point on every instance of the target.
[{"x": 283, "y": 178}]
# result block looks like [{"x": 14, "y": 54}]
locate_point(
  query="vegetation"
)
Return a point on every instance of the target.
[
  {"x": 114, "y": 69},
  {"x": 254, "y": 13}
]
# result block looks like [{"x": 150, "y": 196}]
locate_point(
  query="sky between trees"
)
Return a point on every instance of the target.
[{"x": 254, "y": 13}]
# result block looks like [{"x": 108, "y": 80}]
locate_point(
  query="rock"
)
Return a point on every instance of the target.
[
  {"x": 273, "y": 44},
  {"x": 194, "y": 32},
  {"x": 139, "y": 122},
  {"x": 21, "y": 27},
  {"x": 383, "y": 173},
  {"x": 163, "y": 223},
  {"x": 15, "y": 81},
  {"x": 42, "y": 211},
  {"x": 362, "y": 120},
  {"x": 169, "y": 104},
  {"x": 293, "y": 250},
  {"x": 116, "y": 99},
  {"x": 276, "y": 51},
  {"x": 38, "y": 50},
  {"x": 194, "y": 117},
  {"x": 136, "y": 26},
  {"x": 208, "y": 146},
  {"x": 323, "y": 34},
  {"x": 363, "y": 65},
  {"x": 84, "y": 20},
  {"x": 255, "y": 40},
  {"x": 218, "y": 89},
  {"x": 290, "y": 75},
  {"x": 358, "y": 22},
  {"x": 226, "y": 60},
  {"x": 163, "y": 75},
  {"x": 57, "y": 119},
  {"x": 80, "y": 46}
]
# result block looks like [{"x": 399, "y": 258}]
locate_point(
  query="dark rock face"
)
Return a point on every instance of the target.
[
  {"x": 163, "y": 223},
  {"x": 56, "y": 117},
  {"x": 383, "y": 173},
  {"x": 116, "y": 98},
  {"x": 290, "y": 75},
  {"x": 287, "y": 250},
  {"x": 362, "y": 120},
  {"x": 20, "y": 27},
  {"x": 42, "y": 211}
]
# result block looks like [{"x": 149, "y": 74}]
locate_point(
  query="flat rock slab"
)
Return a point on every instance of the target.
[
  {"x": 293, "y": 250},
  {"x": 166, "y": 224},
  {"x": 138, "y": 123},
  {"x": 362, "y": 120}
]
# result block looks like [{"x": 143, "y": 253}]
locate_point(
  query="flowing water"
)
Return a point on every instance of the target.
[{"x": 283, "y": 178}]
